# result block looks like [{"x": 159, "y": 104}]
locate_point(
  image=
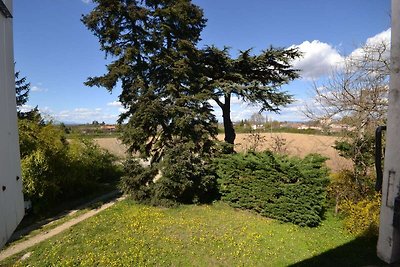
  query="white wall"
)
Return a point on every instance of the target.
[{"x": 11, "y": 199}]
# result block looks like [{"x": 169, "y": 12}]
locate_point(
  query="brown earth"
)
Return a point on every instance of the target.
[
  {"x": 113, "y": 145},
  {"x": 294, "y": 144}
]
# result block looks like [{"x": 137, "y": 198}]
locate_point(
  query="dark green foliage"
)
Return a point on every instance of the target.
[
  {"x": 255, "y": 79},
  {"x": 53, "y": 169},
  {"x": 137, "y": 180},
  {"x": 288, "y": 189},
  {"x": 153, "y": 47},
  {"x": 359, "y": 183},
  {"x": 167, "y": 83},
  {"x": 22, "y": 88},
  {"x": 157, "y": 62},
  {"x": 186, "y": 176},
  {"x": 360, "y": 150}
]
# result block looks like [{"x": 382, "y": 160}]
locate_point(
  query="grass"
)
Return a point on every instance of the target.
[
  {"x": 35, "y": 224},
  {"x": 128, "y": 234}
]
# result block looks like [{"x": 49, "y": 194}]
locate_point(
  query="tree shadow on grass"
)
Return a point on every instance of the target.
[{"x": 359, "y": 252}]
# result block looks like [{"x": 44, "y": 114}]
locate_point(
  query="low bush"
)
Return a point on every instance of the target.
[
  {"x": 356, "y": 200},
  {"x": 53, "y": 169},
  {"x": 362, "y": 217},
  {"x": 286, "y": 188},
  {"x": 183, "y": 176}
]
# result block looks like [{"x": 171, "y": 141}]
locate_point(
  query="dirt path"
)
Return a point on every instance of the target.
[{"x": 17, "y": 248}]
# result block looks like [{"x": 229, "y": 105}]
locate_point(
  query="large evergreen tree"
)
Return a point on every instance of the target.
[
  {"x": 166, "y": 80},
  {"x": 166, "y": 85},
  {"x": 153, "y": 47},
  {"x": 256, "y": 79}
]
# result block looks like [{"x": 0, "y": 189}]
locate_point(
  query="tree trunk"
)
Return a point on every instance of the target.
[{"x": 228, "y": 125}]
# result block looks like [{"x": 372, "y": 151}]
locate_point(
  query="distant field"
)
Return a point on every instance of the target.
[
  {"x": 113, "y": 145},
  {"x": 296, "y": 144}
]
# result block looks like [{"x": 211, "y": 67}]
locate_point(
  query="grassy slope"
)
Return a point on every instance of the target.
[{"x": 134, "y": 235}]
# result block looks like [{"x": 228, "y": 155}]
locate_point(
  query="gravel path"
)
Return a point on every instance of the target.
[{"x": 17, "y": 248}]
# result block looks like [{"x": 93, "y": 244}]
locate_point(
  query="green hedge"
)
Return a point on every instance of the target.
[{"x": 286, "y": 188}]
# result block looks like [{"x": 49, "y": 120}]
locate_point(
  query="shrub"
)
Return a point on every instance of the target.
[
  {"x": 137, "y": 180},
  {"x": 185, "y": 176},
  {"x": 280, "y": 187},
  {"x": 92, "y": 163},
  {"x": 362, "y": 217},
  {"x": 53, "y": 169},
  {"x": 346, "y": 185}
]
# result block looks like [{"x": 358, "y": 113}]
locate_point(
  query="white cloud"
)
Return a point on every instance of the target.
[
  {"x": 373, "y": 42},
  {"x": 25, "y": 108},
  {"x": 114, "y": 104},
  {"x": 384, "y": 36},
  {"x": 38, "y": 89},
  {"x": 318, "y": 59},
  {"x": 84, "y": 115},
  {"x": 87, "y": 1},
  {"x": 118, "y": 105}
]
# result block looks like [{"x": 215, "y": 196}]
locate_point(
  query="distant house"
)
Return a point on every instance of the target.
[
  {"x": 308, "y": 127},
  {"x": 341, "y": 127},
  {"x": 108, "y": 128},
  {"x": 257, "y": 126}
]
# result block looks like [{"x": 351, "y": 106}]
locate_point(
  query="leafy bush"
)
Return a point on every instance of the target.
[
  {"x": 346, "y": 185},
  {"x": 287, "y": 189},
  {"x": 138, "y": 179},
  {"x": 362, "y": 217},
  {"x": 53, "y": 169},
  {"x": 185, "y": 177},
  {"x": 92, "y": 163}
]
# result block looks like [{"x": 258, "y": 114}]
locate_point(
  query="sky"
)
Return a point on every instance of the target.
[{"x": 56, "y": 53}]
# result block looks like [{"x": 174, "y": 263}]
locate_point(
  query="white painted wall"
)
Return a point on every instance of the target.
[
  {"x": 388, "y": 248},
  {"x": 11, "y": 198}
]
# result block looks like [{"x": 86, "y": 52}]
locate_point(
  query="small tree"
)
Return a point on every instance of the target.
[
  {"x": 257, "y": 119},
  {"x": 356, "y": 93},
  {"x": 22, "y": 88}
]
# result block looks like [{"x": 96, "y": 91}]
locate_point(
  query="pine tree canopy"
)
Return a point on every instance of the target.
[
  {"x": 153, "y": 47},
  {"x": 255, "y": 79},
  {"x": 167, "y": 81}
]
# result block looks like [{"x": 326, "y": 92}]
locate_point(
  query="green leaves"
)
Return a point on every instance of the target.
[
  {"x": 254, "y": 78},
  {"x": 54, "y": 169},
  {"x": 166, "y": 85},
  {"x": 157, "y": 63},
  {"x": 186, "y": 175},
  {"x": 287, "y": 189}
]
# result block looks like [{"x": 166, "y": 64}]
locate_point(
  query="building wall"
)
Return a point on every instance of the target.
[{"x": 11, "y": 198}]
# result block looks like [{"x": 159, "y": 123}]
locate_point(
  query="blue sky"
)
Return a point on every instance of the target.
[{"x": 57, "y": 53}]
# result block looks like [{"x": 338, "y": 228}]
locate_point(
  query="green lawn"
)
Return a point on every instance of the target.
[{"x": 128, "y": 234}]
